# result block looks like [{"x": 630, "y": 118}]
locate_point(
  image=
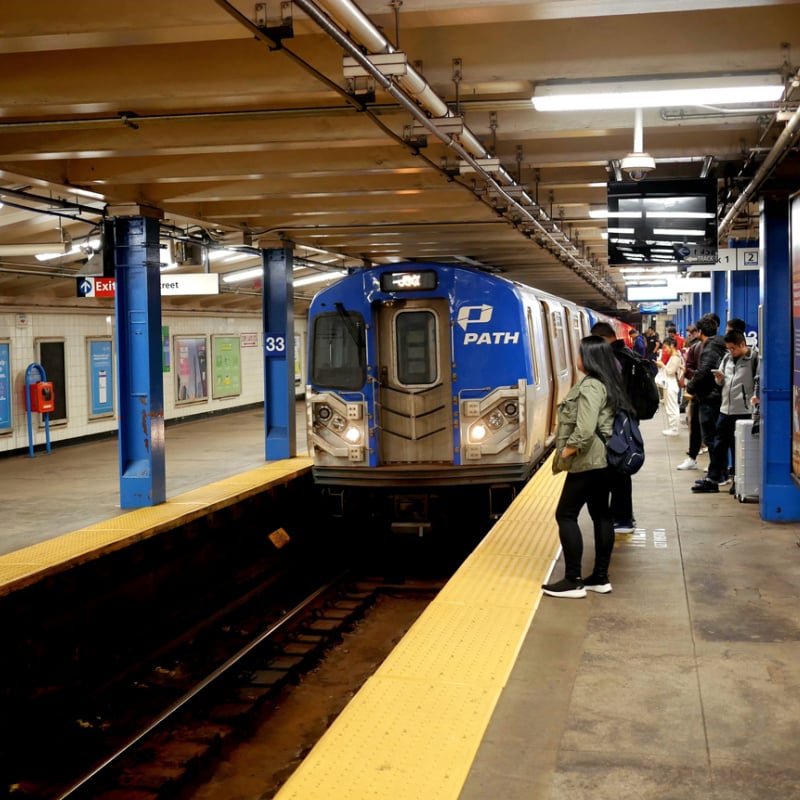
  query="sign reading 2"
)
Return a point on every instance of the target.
[{"x": 275, "y": 345}]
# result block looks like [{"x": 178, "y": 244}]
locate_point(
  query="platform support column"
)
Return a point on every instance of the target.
[
  {"x": 780, "y": 498},
  {"x": 278, "y": 315},
  {"x": 744, "y": 299},
  {"x": 719, "y": 296},
  {"x": 140, "y": 380}
]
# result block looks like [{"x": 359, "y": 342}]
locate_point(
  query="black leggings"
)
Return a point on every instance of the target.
[{"x": 589, "y": 488}]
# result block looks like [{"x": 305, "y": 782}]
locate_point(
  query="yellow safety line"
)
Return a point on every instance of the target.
[
  {"x": 30, "y": 564},
  {"x": 412, "y": 731}
]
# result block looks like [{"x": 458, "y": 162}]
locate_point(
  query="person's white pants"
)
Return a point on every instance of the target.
[{"x": 671, "y": 405}]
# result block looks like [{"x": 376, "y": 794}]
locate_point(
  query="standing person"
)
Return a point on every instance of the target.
[
  {"x": 691, "y": 360},
  {"x": 588, "y": 409},
  {"x": 672, "y": 333},
  {"x": 653, "y": 345},
  {"x": 621, "y": 485},
  {"x": 702, "y": 384},
  {"x": 736, "y": 376},
  {"x": 639, "y": 343},
  {"x": 671, "y": 371}
]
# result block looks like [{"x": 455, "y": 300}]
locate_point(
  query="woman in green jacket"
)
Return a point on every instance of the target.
[{"x": 587, "y": 410}]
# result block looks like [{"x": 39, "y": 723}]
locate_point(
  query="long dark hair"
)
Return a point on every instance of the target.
[{"x": 600, "y": 362}]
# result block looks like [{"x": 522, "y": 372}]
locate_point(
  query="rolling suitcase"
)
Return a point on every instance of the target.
[{"x": 748, "y": 461}]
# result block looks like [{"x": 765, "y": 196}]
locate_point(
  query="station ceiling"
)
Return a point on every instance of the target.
[{"x": 238, "y": 121}]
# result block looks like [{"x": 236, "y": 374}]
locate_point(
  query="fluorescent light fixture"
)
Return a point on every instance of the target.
[
  {"x": 658, "y": 92},
  {"x": 678, "y": 232},
  {"x": 679, "y": 215},
  {"x": 604, "y": 213},
  {"x": 621, "y": 230},
  {"x": 320, "y": 277},
  {"x": 51, "y": 249},
  {"x": 243, "y": 275}
]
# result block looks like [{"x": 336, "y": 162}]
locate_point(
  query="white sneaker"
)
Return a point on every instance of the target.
[
  {"x": 670, "y": 433},
  {"x": 688, "y": 463}
]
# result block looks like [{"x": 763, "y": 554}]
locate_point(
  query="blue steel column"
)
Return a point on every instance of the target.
[
  {"x": 139, "y": 372},
  {"x": 780, "y": 498},
  {"x": 719, "y": 296},
  {"x": 278, "y": 312}
]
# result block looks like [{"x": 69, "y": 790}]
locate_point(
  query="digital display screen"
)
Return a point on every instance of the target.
[
  {"x": 669, "y": 221},
  {"x": 408, "y": 281}
]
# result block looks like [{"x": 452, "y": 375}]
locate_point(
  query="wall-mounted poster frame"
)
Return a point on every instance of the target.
[
  {"x": 99, "y": 351},
  {"x": 794, "y": 255},
  {"x": 191, "y": 369},
  {"x": 5, "y": 385},
  {"x": 226, "y": 366}
]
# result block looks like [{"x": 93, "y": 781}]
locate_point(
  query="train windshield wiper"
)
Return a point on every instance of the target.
[{"x": 355, "y": 332}]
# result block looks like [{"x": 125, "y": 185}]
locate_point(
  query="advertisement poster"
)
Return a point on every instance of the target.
[
  {"x": 5, "y": 387},
  {"x": 191, "y": 368},
  {"x": 227, "y": 366},
  {"x": 101, "y": 377},
  {"x": 165, "y": 348},
  {"x": 795, "y": 256}
]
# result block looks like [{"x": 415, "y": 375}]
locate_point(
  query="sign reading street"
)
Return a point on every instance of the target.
[{"x": 202, "y": 283}]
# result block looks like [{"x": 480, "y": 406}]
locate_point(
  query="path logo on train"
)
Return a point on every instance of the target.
[{"x": 482, "y": 315}]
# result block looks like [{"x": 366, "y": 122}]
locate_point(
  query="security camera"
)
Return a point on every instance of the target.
[{"x": 637, "y": 165}]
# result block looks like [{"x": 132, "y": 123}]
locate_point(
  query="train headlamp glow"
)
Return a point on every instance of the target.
[
  {"x": 352, "y": 435},
  {"x": 495, "y": 420},
  {"x": 477, "y": 433}
]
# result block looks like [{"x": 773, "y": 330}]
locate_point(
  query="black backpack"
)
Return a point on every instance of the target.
[
  {"x": 640, "y": 384},
  {"x": 625, "y": 446}
]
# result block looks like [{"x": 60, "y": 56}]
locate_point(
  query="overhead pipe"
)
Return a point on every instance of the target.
[
  {"x": 779, "y": 150},
  {"x": 335, "y": 16}
]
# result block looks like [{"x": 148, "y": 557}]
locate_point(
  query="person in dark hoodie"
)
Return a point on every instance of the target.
[{"x": 703, "y": 385}]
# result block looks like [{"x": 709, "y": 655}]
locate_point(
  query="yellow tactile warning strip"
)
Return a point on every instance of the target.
[
  {"x": 29, "y": 565},
  {"x": 412, "y": 731}
]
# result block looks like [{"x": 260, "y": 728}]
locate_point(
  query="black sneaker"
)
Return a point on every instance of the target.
[
  {"x": 705, "y": 486},
  {"x": 624, "y": 526},
  {"x": 600, "y": 584},
  {"x": 565, "y": 588}
]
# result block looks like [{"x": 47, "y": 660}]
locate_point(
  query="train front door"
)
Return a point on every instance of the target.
[{"x": 414, "y": 405}]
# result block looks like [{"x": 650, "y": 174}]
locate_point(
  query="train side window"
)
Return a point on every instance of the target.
[
  {"x": 338, "y": 354},
  {"x": 416, "y": 347},
  {"x": 534, "y": 349},
  {"x": 559, "y": 341}
]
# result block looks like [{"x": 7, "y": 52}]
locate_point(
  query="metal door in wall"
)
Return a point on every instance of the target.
[
  {"x": 414, "y": 421},
  {"x": 51, "y": 357}
]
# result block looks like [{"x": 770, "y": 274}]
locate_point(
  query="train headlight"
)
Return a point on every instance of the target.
[
  {"x": 353, "y": 435},
  {"x": 324, "y": 413},
  {"x": 511, "y": 409},
  {"x": 337, "y": 423},
  {"x": 495, "y": 420},
  {"x": 477, "y": 433}
]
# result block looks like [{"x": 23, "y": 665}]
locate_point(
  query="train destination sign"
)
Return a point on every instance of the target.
[{"x": 408, "y": 281}]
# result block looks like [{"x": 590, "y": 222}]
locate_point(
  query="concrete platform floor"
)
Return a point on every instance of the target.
[
  {"x": 684, "y": 683},
  {"x": 76, "y": 485}
]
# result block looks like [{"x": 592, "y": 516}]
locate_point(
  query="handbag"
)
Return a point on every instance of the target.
[{"x": 661, "y": 379}]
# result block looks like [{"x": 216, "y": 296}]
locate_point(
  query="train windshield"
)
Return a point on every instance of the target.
[
  {"x": 338, "y": 351},
  {"x": 415, "y": 333}
]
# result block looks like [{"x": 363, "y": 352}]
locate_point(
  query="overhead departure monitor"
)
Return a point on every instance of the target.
[{"x": 668, "y": 221}]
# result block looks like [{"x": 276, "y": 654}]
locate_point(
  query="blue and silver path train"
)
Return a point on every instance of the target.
[{"x": 425, "y": 375}]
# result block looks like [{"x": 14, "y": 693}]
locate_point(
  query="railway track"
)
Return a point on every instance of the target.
[{"x": 145, "y": 736}]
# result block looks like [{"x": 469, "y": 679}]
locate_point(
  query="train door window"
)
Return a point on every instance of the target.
[
  {"x": 417, "y": 348},
  {"x": 559, "y": 341},
  {"x": 51, "y": 357},
  {"x": 338, "y": 355},
  {"x": 534, "y": 349},
  {"x": 574, "y": 319}
]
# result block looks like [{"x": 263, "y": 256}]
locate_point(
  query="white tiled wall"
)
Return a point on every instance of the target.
[{"x": 24, "y": 330}]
